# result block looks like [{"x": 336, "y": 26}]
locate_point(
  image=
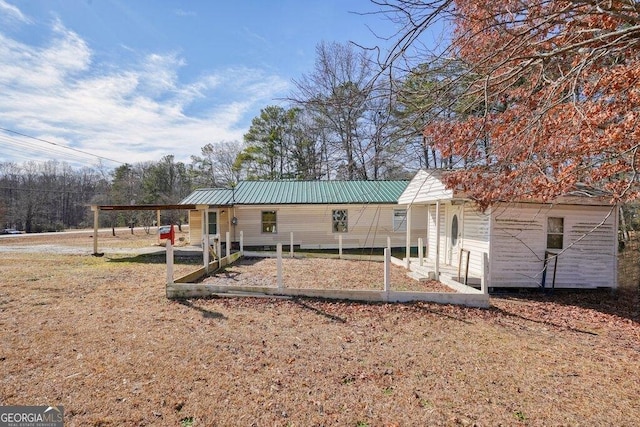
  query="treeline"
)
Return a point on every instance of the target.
[{"x": 51, "y": 196}]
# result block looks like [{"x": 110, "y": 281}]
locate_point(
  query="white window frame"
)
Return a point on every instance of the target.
[
  {"x": 264, "y": 226},
  {"x": 399, "y": 225},
  {"x": 550, "y": 233}
]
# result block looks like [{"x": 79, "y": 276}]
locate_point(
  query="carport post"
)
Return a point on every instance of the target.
[
  {"x": 205, "y": 239},
  {"x": 96, "y": 217}
]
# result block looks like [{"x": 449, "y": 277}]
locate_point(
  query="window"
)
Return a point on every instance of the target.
[
  {"x": 268, "y": 221},
  {"x": 213, "y": 223},
  {"x": 454, "y": 230},
  {"x": 555, "y": 233},
  {"x": 340, "y": 221},
  {"x": 399, "y": 220}
]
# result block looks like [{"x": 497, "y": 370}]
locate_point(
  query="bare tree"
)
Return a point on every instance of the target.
[{"x": 550, "y": 96}]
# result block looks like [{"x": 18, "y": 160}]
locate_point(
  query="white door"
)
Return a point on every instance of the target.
[{"x": 454, "y": 234}]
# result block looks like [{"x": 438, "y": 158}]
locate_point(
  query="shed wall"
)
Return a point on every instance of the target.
[{"x": 519, "y": 242}]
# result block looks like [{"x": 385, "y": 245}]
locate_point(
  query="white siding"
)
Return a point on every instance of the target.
[
  {"x": 519, "y": 243},
  {"x": 195, "y": 225},
  {"x": 425, "y": 187},
  {"x": 368, "y": 226},
  {"x": 432, "y": 232},
  {"x": 475, "y": 237}
]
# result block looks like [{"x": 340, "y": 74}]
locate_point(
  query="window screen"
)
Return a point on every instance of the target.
[
  {"x": 555, "y": 233},
  {"x": 269, "y": 221},
  {"x": 399, "y": 220},
  {"x": 340, "y": 221}
]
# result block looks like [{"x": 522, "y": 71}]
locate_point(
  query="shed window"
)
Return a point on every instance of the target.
[
  {"x": 268, "y": 221},
  {"x": 399, "y": 220},
  {"x": 555, "y": 233},
  {"x": 340, "y": 221},
  {"x": 213, "y": 223}
]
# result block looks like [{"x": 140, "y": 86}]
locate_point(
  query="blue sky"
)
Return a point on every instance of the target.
[{"x": 134, "y": 80}]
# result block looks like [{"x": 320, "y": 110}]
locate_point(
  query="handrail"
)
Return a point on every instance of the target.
[
  {"x": 547, "y": 256},
  {"x": 466, "y": 271}
]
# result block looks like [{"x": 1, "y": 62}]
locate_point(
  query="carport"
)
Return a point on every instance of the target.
[{"x": 97, "y": 208}]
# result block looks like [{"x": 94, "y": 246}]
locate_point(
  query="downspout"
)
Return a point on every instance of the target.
[
  {"x": 408, "y": 241},
  {"x": 437, "y": 265}
]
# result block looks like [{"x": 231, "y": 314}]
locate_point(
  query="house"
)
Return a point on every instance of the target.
[
  {"x": 570, "y": 243},
  {"x": 315, "y": 214}
]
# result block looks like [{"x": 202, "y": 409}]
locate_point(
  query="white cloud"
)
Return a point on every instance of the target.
[
  {"x": 10, "y": 12},
  {"x": 133, "y": 112}
]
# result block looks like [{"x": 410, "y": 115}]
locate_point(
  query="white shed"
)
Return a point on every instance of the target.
[{"x": 570, "y": 243}]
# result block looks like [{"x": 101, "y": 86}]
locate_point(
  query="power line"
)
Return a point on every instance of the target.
[
  {"x": 61, "y": 146},
  {"x": 26, "y": 149}
]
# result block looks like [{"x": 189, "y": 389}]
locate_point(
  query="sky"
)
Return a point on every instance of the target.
[{"x": 132, "y": 81}]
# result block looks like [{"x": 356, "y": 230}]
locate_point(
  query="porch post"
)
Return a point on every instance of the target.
[
  {"x": 437, "y": 265},
  {"x": 408, "y": 242},
  {"x": 205, "y": 238}
]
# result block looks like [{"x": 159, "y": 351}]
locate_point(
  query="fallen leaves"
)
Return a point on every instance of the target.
[{"x": 146, "y": 360}]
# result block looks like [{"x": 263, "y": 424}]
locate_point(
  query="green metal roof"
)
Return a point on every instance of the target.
[
  {"x": 300, "y": 192},
  {"x": 209, "y": 196}
]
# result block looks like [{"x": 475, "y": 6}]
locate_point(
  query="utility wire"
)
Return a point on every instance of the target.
[
  {"x": 26, "y": 150},
  {"x": 61, "y": 146}
]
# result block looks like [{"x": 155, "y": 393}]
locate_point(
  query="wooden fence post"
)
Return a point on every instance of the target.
[
  {"x": 387, "y": 271},
  {"x": 485, "y": 273},
  {"x": 169, "y": 262},
  {"x": 291, "y": 244},
  {"x": 279, "y": 265},
  {"x": 228, "y": 244}
]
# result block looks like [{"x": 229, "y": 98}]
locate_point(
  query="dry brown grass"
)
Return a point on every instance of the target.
[{"x": 98, "y": 336}]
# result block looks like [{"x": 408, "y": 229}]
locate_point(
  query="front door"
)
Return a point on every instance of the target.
[{"x": 454, "y": 234}]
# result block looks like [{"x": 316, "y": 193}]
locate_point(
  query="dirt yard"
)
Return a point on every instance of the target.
[
  {"x": 98, "y": 336},
  {"x": 320, "y": 273}
]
